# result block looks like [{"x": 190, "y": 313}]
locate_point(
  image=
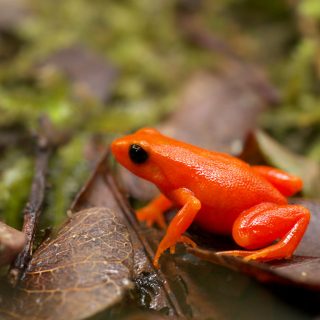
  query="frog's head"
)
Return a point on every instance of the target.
[{"x": 137, "y": 152}]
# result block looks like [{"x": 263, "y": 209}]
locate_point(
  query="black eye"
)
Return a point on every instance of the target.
[{"x": 137, "y": 154}]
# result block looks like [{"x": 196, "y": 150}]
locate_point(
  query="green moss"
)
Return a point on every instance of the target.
[
  {"x": 69, "y": 170},
  {"x": 143, "y": 40},
  {"x": 16, "y": 172}
]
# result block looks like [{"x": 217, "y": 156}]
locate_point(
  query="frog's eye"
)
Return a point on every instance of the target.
[{"x": 137, "y": 154}]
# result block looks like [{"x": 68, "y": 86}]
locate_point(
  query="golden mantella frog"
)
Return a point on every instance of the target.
[{"x": 220, "y": 193}]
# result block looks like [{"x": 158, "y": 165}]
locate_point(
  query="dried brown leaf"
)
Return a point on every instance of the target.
[{"x": 83, "y": 270}]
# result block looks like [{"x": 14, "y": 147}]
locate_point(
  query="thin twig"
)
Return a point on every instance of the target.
[{"x": 33, "y": 208}]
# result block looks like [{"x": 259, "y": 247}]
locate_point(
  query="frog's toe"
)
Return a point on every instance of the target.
[
  {"x": 165, "y": 244},
  {"x": 170, "y": 243},
  {"x": 268, "y": 255},
  {"x": 235, "y": 253},
  {"x": 160, "y": 221},
  {"x": 258, "y": 255},
  {"x": 187, "y": 240},
  {"x": 151, "y": 217},
  {"x": 255, "y": 256}
]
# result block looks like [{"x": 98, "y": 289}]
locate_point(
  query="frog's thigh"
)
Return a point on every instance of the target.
[
  {"x": 265, "y": 223},
  {"x": 286, "y": 183}
]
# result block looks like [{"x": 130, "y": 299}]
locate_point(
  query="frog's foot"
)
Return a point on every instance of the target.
[
  {"x": 168, "y": 242},
  {"x": 274, "y": 252},
  {"x": 151, "y": 217},
  {"x": 235, "y": 253},
  {"x": 153, "y": 212},
  {"x": 267, "y": 255},
  {"x": 183, "y": 239}
]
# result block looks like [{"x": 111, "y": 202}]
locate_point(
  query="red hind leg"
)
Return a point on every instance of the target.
[
  {"x": 264, "y": 224},
  {"x": 286, "y": 183}
]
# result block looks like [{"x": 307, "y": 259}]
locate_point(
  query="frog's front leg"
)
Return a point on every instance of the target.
[
  {"x": 180, "y": 223},
  {"x": 266, "y": 223},
  {"x": 153, "y": 212}
]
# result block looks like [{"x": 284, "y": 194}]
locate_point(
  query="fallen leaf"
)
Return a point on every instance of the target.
[
  {"x": 86, "y": 268},
  {"x": 11, "y": 243}
]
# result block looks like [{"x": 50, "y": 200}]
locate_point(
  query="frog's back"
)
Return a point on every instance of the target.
[{"x": 225, "y": 185}]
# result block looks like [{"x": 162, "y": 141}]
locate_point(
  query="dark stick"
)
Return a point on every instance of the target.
[{"x": 33, "y": 208}]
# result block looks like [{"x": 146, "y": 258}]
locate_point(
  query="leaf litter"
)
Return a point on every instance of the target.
[{"x": 174, "y": 290}]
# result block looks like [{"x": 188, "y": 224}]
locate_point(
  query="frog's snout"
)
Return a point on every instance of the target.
[{"x": 119, "y": 149}]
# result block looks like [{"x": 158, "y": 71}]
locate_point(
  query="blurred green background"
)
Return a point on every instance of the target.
[{"x": 99, "y": 68}]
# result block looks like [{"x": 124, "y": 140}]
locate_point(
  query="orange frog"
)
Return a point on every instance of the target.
[{"x": 220, "y": 193}]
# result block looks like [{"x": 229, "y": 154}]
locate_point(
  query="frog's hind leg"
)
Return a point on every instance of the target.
[
  {"x": 286, "y": 183},
  {"x": 261, "y": 226}
]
